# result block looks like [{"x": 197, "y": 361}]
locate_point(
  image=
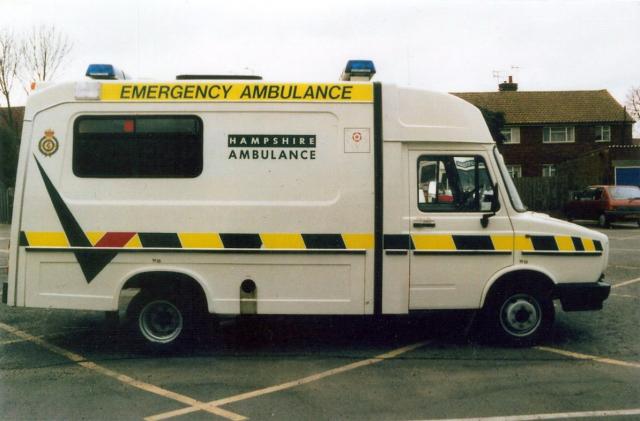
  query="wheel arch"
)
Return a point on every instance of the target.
[
  {"x": 508, "y": 275},
  {"x": 166, "y": 278}
]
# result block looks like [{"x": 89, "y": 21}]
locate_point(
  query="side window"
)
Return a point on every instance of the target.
[
  {"x": 588, "y": 194},
  {"x": 137, "y": 146},
  {"x": 453, "y": 184},
  {"x": 598, "y": 194}
]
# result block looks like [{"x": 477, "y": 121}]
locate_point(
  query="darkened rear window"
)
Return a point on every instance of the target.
[{"x": 137, "y": 146}]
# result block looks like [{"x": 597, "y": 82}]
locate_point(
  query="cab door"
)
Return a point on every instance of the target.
[{"x": 453, "y": 255}]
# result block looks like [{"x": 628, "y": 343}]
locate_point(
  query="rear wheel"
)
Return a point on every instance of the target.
[
  {"x": 160, "y": 321},
  {"x": 519, "y": 315}
]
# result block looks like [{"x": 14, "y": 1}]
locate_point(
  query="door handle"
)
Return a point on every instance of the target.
[{"x": 424, "y": 223}]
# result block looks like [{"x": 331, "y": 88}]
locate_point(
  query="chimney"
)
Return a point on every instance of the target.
[{"x": 508, "y": 86}]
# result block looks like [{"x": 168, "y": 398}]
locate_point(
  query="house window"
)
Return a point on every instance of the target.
[
  {"x": 511, "y": 135},
  {"x": 548, "y": 170},
  {"x": 515, "y": 171},
  {"x": 603, "y": 134},
  {"x": 558, "y": 134}
]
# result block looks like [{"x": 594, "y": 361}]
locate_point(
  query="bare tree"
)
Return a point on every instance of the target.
[
  {"x": 633, "y": 106},
  {"x": 44, "y": 50},
  {"x": 9, "y": 64},
  {"x": 633, "y": 102}
]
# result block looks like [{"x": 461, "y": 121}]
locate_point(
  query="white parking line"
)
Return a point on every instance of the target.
[
  {"x": 147, "y": 387},
  {"x": 293, "y": 383},
  {"x": 557, "y": 416},
  {"x": 621, "y": 284},
  {"x": 626, "y": 296},
  {"x": 595, "y": 358},
  {"x": 624, "y": 266}
]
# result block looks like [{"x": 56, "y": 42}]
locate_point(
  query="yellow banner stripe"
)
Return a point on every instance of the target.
[
  {"x": 358, "y": 241},
  {"x": 249, "y": 92},
  {"x": 564, "y": 243},
  {"x": 47, "y": 239},
  {"x": 588, "y": 244},
  {"x": 95, "y": 236},
  {"x": 502, "y": 242},
  {"x": 523, "y": 243},
  {"x": 282, "y": 241},
  {"x": 433, "y": 242},
  {"x": 193, "y": 240},
  {"x": 134, "y": 243}
]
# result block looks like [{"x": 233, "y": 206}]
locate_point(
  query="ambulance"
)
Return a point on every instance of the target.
[{"x": 233, "y": 196}]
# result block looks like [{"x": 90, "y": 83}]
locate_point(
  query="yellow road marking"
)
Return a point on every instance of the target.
[
  {"x": 147, "y": 387},
  {"x": 51, "y": 335},
  {"x": 293, "y": 383},
  {"x": 595, "y": 358},
  {"x": 621, "y": 284}
]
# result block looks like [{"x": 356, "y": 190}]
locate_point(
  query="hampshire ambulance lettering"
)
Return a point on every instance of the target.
[
  {"x": 285, "y": 92},
  {"x": 272, "y": 146}
]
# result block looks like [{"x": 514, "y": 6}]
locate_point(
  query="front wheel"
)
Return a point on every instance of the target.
[
  {"x": 520, "y": 316},
  {"x": 603, "y": 221}
]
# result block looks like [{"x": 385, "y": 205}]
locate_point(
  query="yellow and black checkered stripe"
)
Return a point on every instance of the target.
[
  {"x": 492, "y": 244},
  {"x": 419, "y": 243},
  {"x": 209, "y": 240}
]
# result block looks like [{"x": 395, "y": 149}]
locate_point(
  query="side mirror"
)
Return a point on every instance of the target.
[{"x": 495, "y": 205}]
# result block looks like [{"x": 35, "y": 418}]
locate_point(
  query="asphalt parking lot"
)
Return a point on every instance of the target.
[{"x": 73, "y": 365}]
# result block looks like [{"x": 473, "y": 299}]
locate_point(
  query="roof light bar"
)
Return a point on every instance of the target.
[
  {"x": 358, "y": 70},
  {"x": 105, "y": 71}
]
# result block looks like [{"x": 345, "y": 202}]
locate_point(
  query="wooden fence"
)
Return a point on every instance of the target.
[
  {"x": 6, "y": 204},
  {"x": 550, "y": 194}
]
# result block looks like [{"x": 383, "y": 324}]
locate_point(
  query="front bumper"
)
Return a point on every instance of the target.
[{"x": 583, "y": 296}]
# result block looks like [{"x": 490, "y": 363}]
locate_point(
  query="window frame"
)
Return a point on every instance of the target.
[
  {"x": 511, "y": 167},
  {"x": 514, "y": 135},
  {"x": 569, "y": 131},
  {"x": 602, "y": 131},
  {"x": 77, "y": 138},
  {"x": 551, "y": 170},
  {"x": 429, "y": 156}
]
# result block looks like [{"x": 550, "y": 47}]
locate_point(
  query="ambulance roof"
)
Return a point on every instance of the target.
[{"x": 409, "y": 114}]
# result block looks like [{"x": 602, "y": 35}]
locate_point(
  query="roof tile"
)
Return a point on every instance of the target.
[{"x": 550, "y": 107}]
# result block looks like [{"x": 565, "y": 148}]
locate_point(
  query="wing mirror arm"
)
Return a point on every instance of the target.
[{"x": 495, "y": 205}]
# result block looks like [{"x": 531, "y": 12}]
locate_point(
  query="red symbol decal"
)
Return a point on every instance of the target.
[{"x": 356, "y": 136}]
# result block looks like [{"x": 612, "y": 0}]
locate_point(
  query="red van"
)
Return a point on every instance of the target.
[{"x": 605, "y": 204}]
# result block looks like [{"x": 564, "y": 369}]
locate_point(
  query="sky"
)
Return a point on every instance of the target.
[{"x": 450, "y": 46}]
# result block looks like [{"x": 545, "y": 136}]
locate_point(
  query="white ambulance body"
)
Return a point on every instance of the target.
[{"x": 250, "y": 197}]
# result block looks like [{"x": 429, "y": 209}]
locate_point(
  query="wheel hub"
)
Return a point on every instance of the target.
[
  {"x": 520, "y": 315},
  {"x": 160, "y": 321}
]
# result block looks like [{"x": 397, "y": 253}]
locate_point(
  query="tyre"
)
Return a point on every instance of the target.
[
  {"x": 519, "y": 316},
  {"x": 159, "y": 321},
  {"x": 603, "y": 221}
]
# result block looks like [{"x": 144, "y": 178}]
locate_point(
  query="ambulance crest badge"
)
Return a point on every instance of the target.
[{"x": 48, "y": 145}]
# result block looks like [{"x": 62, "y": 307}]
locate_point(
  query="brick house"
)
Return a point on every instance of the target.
[{"x": 544, "y": 129}]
